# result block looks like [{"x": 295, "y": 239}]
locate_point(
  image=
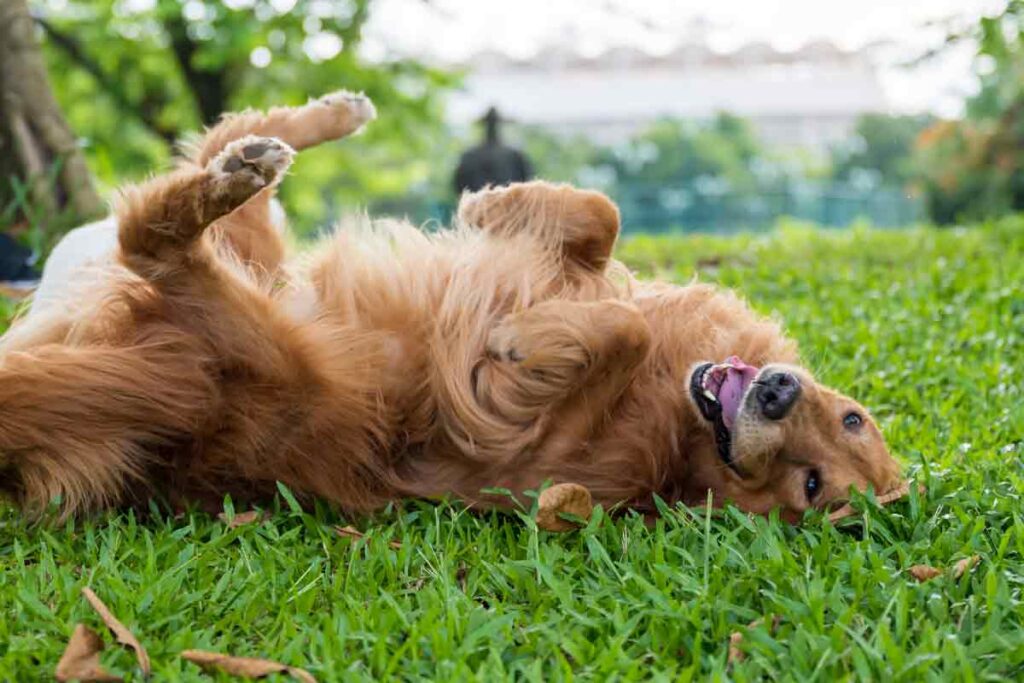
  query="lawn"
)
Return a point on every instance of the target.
[{"x": 926, "y": 327}]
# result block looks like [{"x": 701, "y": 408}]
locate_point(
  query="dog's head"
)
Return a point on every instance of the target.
[{"x": 790, "y": 442}]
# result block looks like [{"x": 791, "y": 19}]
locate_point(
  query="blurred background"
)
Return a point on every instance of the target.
[{"x": 695, "y": 116}]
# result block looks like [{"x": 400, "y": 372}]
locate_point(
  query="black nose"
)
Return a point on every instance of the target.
[{"x": 777, "y": 393}]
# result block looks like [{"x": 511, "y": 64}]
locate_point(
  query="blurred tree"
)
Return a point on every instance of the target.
[
  {"x": 41, "y": 164},
  {"x": 563, "y": 158},
  {"x": 881, "y": 150},
  {"x": 723, "y": 151},
  {"x": 135, "y": 75},
  {"x": 974, "y": 168}
]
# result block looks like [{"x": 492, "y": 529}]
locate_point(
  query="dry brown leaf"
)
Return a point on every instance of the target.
[
  {"x": 902, "y": 491},
  {"x": 242, "y": 518},
  {"x": 735, "y": 653},
  {"x": 248, "y": 667},
  {"x": 352, "y": 532},
  {"x": 923, "y": 572},
  {"x": 965, "y": 565},
  {"x": 568, "y": 498},
  {"x": 123, "y": 635},
  {"x": 81, "y": 658}
]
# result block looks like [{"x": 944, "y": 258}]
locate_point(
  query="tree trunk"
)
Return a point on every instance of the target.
[{"x": 36, "y": 145}]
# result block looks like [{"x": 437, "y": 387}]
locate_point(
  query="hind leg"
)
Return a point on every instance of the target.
[{"x": 330, "y": 117}]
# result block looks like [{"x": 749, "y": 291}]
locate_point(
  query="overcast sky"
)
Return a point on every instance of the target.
[{"x": 452, "y": 30}]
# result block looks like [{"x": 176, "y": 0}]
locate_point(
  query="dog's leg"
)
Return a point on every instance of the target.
[
  {"x": 330, "y": 117},
  {"x": 581, "y": 224},
  {"x": 160, "y": 222},
  {"x": 160, "y": 227},
  {"x": 81, "y": 423},
  {"x": 250, "y": 235},
  {"x": 546, "y": 354},
  {"x": 249, "y": 231}
]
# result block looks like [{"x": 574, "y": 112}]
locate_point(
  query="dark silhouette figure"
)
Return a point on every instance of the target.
[{"x": 491, "y": 163}]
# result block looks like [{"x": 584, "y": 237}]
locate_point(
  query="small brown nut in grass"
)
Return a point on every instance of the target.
[{"x": 572, "y": 499}]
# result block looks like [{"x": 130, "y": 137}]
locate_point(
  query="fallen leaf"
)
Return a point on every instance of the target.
[
  {"x": 352, "y": 532},
  {"x": 563, "y": 498},
  {"x": 242, "y": 518},
  {"x": 923, "y": 572},
  {"x": 735, "y": 653},
  {"x": 248, "y": 667},
  {"x": 81, "y": 658},
  {"x": 965, "y": 565},
  {"x": 123, "y": 635},
  {"x": 897, "y": 493}
]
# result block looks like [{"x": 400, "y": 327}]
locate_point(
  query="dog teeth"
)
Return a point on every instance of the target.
[{"x": 709, "y": 396}]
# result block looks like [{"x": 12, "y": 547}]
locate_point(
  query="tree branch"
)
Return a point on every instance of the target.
[
  {"x": 208, "y": 87},
  {"x": 145, "y": 111}
]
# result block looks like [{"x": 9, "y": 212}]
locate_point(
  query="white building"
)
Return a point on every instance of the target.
[{"x": 808, "y": 98}]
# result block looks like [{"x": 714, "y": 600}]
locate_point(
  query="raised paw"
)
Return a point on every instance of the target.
[
  {"x": 248, "y": 165},
  {"x": 352, "y": 110}
]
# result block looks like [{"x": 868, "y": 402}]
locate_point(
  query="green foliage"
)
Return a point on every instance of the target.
[
  {"x": 671, "y": 150},
  {"x": 132, "y": 74},
  {"x": 925, "y": 326},
  {"x": 562, "y": 158},
  {"x": 21, "y": 215},
  {"x": 975, "y": 168},
  {"x": 881, "y": 151}
]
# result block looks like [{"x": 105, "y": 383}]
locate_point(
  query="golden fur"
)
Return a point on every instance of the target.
[{"x": 504, "y": 352}]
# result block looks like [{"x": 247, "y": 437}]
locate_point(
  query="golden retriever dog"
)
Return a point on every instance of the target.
[{"x": 505, "y": 352}]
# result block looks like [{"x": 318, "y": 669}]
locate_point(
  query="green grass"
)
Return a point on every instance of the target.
[{"x": 925, "y": 326}]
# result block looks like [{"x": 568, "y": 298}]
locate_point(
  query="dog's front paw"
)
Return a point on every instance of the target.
[
  {"x": 352, "y": 110},
  {"x": 260, "y": 160},
  {"x": 248, "y": 165}
]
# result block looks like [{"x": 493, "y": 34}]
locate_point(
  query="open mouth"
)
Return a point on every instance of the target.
[{"x": 718, "y": 391}]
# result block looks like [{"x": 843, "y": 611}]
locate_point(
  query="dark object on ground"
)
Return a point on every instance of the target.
[
  {"x": 491, "y": 163},
  {"x": 15, "y": 262}
]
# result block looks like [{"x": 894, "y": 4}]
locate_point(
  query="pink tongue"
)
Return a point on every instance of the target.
[{"x": 737, "y": 378}]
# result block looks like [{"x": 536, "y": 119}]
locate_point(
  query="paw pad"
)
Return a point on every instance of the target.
[{"x": 256, "y": 160}]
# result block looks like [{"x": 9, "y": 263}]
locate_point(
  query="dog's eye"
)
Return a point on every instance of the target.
[
  {"x": 852, "y": 420},
  {"x": 812, "y": 486}
]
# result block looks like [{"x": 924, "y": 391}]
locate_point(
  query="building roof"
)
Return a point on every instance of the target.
[{"x": 557, "y": 87}]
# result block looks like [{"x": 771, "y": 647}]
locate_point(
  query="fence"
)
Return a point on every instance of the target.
[{"x": 658, "y": 208}]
